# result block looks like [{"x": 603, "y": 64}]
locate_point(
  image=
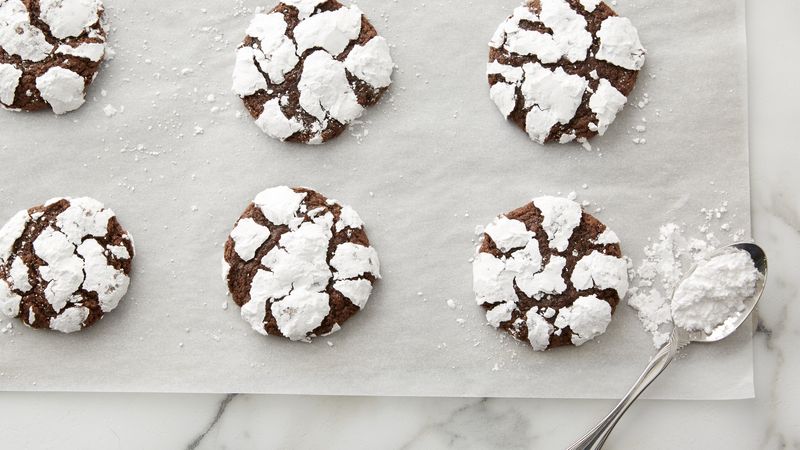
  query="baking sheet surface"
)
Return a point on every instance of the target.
[{"x": 180, "y": 161}]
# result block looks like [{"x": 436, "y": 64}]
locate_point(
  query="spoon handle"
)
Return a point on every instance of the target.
[{"x": 595, "y": 438}]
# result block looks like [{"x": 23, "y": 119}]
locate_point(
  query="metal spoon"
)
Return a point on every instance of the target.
[{"x": 680, "y": 338}]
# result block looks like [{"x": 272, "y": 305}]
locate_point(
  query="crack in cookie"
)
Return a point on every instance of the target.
[
  {"x": 562, "y": 69},
  {"x": 50, "y": 52},
  {"x": 298, "y": 264},
  {"x": 308, "y": 68},
  {"x": 549, "y": 274},
  {"x": 64, "y": 264}
]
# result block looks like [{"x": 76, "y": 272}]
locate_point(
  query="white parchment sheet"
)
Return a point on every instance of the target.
[{"x": 178, "y": 166}]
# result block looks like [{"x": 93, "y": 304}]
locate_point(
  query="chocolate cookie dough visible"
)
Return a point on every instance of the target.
[
  {"x": 563, "y": 69},
  {"x": 50, "y": 52},
  {"x": 309, "y": 67},
  {"x": 549, "y": 274},
  {"x": 299, "y": 264},
  {"x": 63, "y": 264}
]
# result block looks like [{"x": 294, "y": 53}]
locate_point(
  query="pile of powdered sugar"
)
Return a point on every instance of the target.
[
  {"x": 715, "y": 291},
  {"x": 667, "y": 260}
]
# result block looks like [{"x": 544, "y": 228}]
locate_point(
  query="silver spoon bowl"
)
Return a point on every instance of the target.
[{"x": 679, "y": 338}]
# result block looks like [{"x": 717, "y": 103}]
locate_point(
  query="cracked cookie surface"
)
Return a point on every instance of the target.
[
  {"x": 549, "y": 274},
  {"x": 50, "y": 52},
  {"x": 308, "y": 68},
  {"x": 298, "y": 264},
  {"x": 562, "y": 69},
  {"x": 64, "y": 264}
]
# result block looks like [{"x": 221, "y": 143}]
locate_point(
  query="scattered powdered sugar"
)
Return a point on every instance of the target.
[{"x": 668, "y": 257}]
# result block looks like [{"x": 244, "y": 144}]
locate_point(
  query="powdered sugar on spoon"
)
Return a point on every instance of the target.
[{"x": 724, "y": 267}]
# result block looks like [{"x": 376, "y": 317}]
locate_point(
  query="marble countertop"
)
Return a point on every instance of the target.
[{"x": 135, "y": 421}]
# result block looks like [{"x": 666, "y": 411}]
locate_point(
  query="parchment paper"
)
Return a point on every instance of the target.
[{"x": 438, "y": 160}]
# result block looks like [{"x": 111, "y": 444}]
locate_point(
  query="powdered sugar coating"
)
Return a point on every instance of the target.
[
  {"x": 541, "y": 271},
  {"x": 588, "y": 318},
  {"x": 553, "y": 97},
  {"x": 307, "y": 69},
  {"x": 110, "y": 284},
  {"x": 549, "y": 281},
  {"x": 69, "y": 18},
  {"x": 349, "y": 218},
  {"x": 304, "y": 7},
  {"x": 79, "y": 278},
  {"x": 539, "y": 332},
  {"x": 61, "y": 59},
  {"x": 91, "y": 51},
  {"x": 560, "y": 216},
  {"x": 299, "y": 264},
  {"x": 371, "y": 62},
  {"x": 247, "y": 79},
  {"x": 353, "y": 260},
  {"x": 607, "y": 237},
  {"x": 300, "y": 312},
  {"x": 601, "y": 271},
  {"x": 590, "y": 5},
  {"x": 70, "y": 320},
  {"x": 325, "y": 91},
  {"x": 569, "y": 38},
  {"x": 11, "y": 232},
  {"x": 276, "y": 53},
  {"x": 20, "y": 276},
  {"x": 280, "y": 205},
  {"x": 619, "y": 43},
  {"x": 248, "y": 236},
  {"x": 84, "y": 217},
  {"x": 274, "y": 122},
  {"x": 553, "y": 41},
  {"x": 63, "y": 89},
  {"x": 63, "y": 271},
  {"x": 508, "y": 234},
  {"x": 358, "y": 291},
  {"x": 605, "y": 103},
  {"x": 504, "y": 93},
  {"x": 331, "y": 31},
  {"x": 9, "y": 80},
  {"x": 18, "y": 36}
]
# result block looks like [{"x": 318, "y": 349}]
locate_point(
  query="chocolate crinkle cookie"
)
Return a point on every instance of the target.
[
  {"x": 310, "y": 67},
  {"x": 563, "y": 69},
  {"x": 50, "y": 52},
  {"x": 64, "y": 264},
  {"x": 549, "y": 274},
  {"x": 298, "y": 264}
]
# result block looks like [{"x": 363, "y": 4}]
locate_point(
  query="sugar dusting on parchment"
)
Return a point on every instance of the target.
[{"x": 675, "y": 250}]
